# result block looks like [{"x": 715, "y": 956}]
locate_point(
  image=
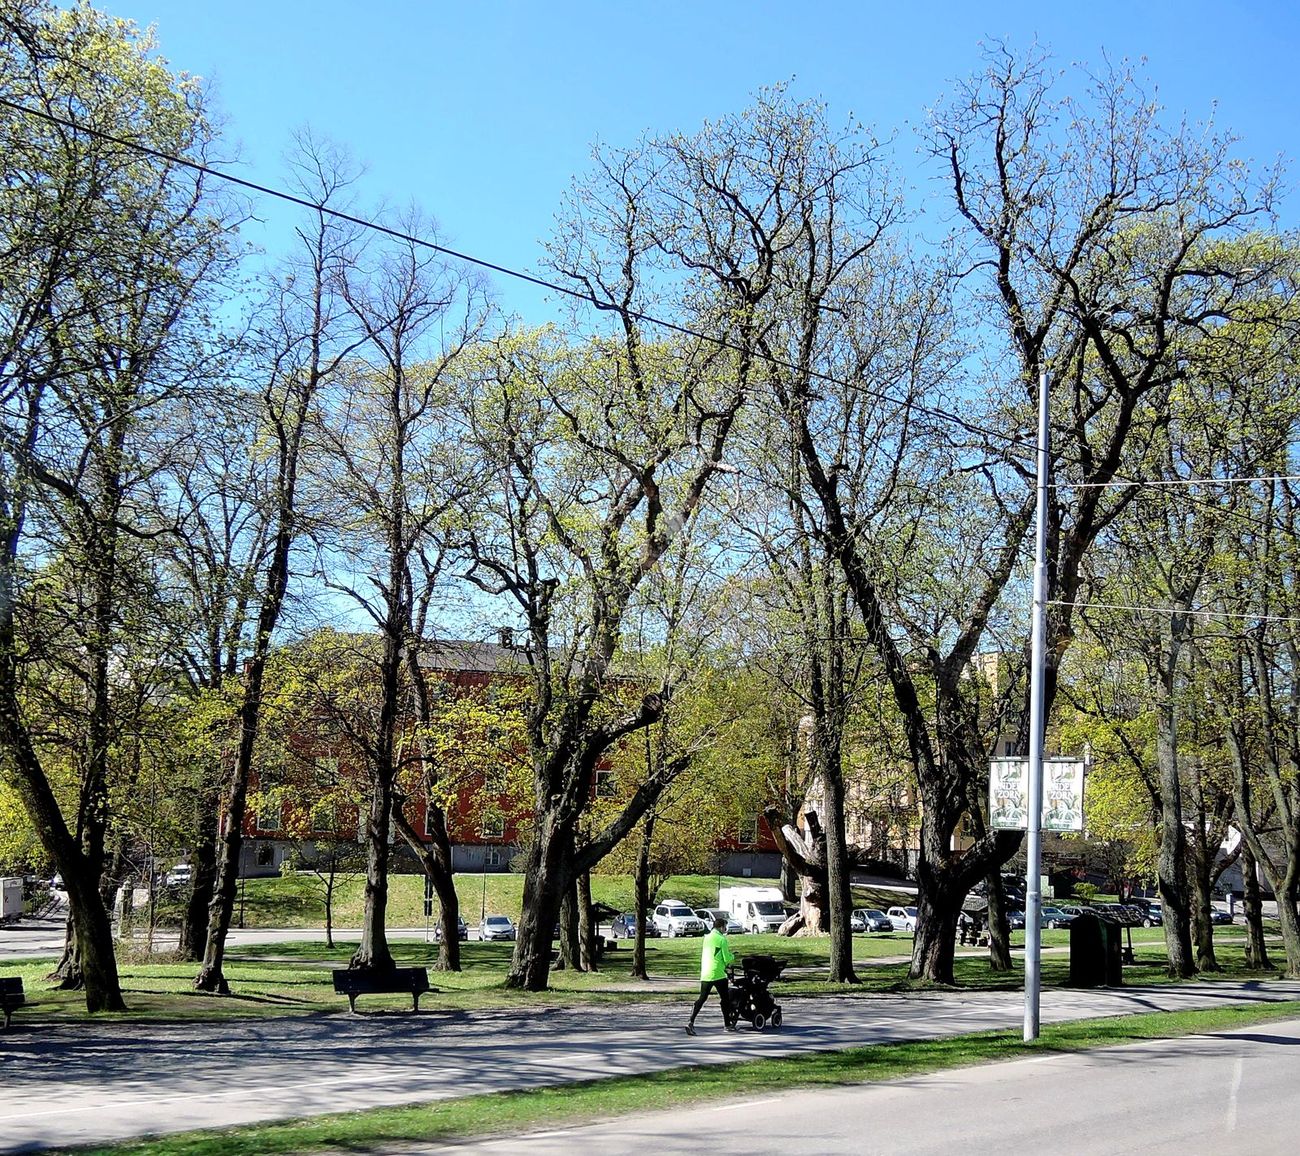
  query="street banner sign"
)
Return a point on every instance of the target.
[{"x": 1062, "y": 794}]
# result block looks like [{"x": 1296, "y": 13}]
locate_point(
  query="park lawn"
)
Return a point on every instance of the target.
[
  {"x": 512, "y": 1113},
  {"x": 294, "y": 978}
]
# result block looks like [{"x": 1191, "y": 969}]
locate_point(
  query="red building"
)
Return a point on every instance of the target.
[{"x": 300, "y": 810}]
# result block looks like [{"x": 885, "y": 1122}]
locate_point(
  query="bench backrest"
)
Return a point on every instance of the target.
[
  {"x": 399, "y": 979},
  {"x": 11, "y": 985}
]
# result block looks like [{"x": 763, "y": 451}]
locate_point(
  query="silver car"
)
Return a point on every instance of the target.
[{"x": 496, "y": 927}]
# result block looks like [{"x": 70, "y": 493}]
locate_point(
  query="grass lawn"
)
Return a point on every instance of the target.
[
  {"x": 294, "y": 978},
  {"x": 511, "y": 1113}
]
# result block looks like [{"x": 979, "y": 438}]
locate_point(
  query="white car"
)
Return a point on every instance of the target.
[
  {"x": 672, "y": 917},
  {"x": 496, "y": 927},
  {"x": 902, "y": 918}
]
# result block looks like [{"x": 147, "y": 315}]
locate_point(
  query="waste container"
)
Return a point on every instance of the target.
[{"x": 1095, "y": 952}]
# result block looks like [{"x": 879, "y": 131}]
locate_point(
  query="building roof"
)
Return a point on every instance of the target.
[{"x": 470, "y": 657}]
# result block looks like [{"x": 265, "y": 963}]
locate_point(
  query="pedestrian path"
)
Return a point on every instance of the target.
[{"x": 67, "y": 1084}]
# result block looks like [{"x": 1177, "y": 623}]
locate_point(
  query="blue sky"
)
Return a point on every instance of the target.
[{"x": 480, "y": 112}]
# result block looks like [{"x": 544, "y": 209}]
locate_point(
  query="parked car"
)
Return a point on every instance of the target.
[
  {"x": 857, "y": 922},
  {"x": 1054, "y": 917},
  {"x": 496, "y": 927},
  {"x": 708, "y": 914},
  {"x": 462, "y": 929},
  {"x": 902, "y": 918},
  {"x": 624, "y": 927},
  {"x": 874, "y": 920},
  {"x": 1118, "y": 913},
  {"x": 1016, "y": 920},
  {"x": 1153, "y": 914},
  {"x": 674, "y": 918},
  {"x": 1218, "y": 916}
]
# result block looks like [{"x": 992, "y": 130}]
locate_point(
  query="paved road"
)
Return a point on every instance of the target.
[
  {"x": 1220, "y": 1093},
  {"x": 77, "y": 1083}
]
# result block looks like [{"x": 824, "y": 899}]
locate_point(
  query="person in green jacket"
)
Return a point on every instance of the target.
[{"x": 715, "y": 955}]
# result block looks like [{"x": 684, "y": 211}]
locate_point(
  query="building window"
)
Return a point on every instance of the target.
[
  {"x": 266, "y": 854},
  {"x": 606, "y": 787},
  {"x": 492, "y": 858},
  {"x": 494, "y": 826},
  {"x": 268, "y": 817},
  {"x": 428, "y": 818},
  {"x": 747, "y": 834}
]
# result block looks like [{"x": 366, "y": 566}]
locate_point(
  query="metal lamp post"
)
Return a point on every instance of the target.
[{"x": 1033, "y": 839}]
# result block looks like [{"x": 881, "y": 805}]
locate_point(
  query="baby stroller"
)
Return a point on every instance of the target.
[{"x": 750, "y": 999}]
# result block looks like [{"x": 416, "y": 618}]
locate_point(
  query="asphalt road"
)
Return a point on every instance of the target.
[
  {"x": 1220, "y": 1093},
  {"x": 78, "y": 1083}
]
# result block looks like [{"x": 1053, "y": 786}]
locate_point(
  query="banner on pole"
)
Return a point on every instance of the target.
[{"x": 1062, "y": 794}]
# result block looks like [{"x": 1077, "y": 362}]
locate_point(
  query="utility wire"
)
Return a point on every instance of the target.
[
  {"x": 504, "y": 270},
  {"x": 1030, "y": 447},
  {"x": 1152, "y": 482},
  {"x": 1196, "y": 612}
]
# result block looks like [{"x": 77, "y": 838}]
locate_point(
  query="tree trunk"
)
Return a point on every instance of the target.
[
  {"x": 1253, "y": 908},
  {"x": 838, "y": 891},
  {"x": 642, "y": 896},
  {"x": 547, "y": 878},
  {"x": 435, "y": 857},
  {"x": 999, "y": 929},
  {"x": 195, "y": 921},
  {"x": 587, "y": 929},
  {"x": 1202, "y": 905},
  {"x": 938, "y": 904},
  {"x": 373, "y": 953},
  {"x": 1290, "y": 921},
  {"x": 568, "y": 942}
]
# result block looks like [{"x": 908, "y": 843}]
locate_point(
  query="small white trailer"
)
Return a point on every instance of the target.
[{"x": 11, "y": 899}]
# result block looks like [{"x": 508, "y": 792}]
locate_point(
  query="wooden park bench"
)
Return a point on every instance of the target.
[
  {"x": 401, "y": 979},
  {"x": 11, "y": 995}
]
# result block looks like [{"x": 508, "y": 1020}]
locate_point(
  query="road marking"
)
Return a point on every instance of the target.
[
  {"x": 1230, "y": 1124},
  {"x": 745, "y": 1104}
]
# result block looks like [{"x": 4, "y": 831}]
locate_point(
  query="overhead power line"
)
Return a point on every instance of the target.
[
  {"x": 1121, "y": 483},
  {"x": 1196, "y": 612},
  {"x": 504, "y": 270},
  {"x": 1009, "y": 441}
]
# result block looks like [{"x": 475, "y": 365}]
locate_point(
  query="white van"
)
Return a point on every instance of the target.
[{"x": 754, "y": 908}]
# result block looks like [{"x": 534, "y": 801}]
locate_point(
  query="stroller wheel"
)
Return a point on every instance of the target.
[
  {"x": 776, "y": 1018},
  {"x": 759, "y": 1021}
]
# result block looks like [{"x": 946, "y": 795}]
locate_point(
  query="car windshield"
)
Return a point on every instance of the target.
[
  {"x": 681, "y": 912},
  {"x": 498, "y": 921},
  {"x": 910, "y": 910},
  {"x": 874, "y": 914},
  {"x": 769, "y": 907}
]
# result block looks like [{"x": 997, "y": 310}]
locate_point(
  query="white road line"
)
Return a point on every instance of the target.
[
  {"x": 746, "y": 1104},
  {"x": 1230, "y": 1124}
]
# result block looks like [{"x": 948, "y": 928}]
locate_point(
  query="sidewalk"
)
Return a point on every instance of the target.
[{"x": 80, "y": 1083}]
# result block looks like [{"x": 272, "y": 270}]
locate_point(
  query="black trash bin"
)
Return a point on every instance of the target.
[{"x": 1096, "y": 952}]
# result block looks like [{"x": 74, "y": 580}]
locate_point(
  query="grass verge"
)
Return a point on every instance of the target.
[{"x": 510, "y": 1113}]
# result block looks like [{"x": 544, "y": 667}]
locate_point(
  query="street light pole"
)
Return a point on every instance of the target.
[{"x": 1038, "y": 630}]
